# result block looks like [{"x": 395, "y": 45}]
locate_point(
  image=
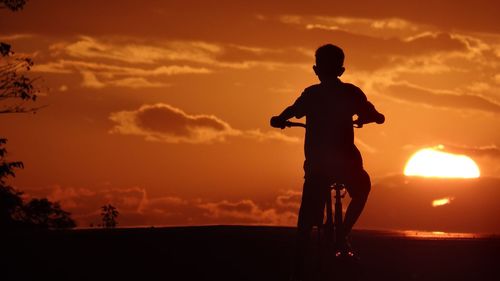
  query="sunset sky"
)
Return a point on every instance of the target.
[{"x": 162, "y": 108}]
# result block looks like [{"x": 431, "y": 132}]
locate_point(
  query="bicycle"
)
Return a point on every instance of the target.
[
  {"x": 333, "y": 226},
  {"x": 334, "y": 239}
]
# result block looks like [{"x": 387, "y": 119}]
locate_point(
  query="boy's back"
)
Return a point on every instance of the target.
[{"x": 329, "y": 143}]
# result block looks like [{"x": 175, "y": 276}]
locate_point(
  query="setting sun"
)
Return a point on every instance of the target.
[{"x": 433, "y": 162}]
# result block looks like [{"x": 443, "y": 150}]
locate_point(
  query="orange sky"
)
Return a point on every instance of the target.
[{"x": 126, "y": 82}]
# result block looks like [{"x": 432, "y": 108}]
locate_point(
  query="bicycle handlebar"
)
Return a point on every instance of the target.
[
  {"x": 294, "y": 124},
  {"x": 289, "y": 124},
  {"x": 355, "y": 123}
]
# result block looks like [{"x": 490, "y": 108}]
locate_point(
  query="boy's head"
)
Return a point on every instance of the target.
[{"x": 329, "y": 62}]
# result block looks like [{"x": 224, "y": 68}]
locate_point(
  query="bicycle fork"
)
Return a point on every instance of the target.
[
  {"x": 338, "y": 223},
  {"x": 333, "y": 231}
]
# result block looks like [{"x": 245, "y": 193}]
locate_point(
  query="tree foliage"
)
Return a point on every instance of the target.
[
  {"x": 16, "y": 87},
  {"x": 45, "y": 214},
  {"x": 13, "y": 5},
  {"x": 109, "y": 214},
  {"x": 17, "y": 214}
]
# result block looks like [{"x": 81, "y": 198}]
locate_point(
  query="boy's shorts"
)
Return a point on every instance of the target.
[{"x": 317, "y": 188}]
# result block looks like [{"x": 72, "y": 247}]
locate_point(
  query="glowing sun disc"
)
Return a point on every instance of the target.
[{"x": 432, "y": 162}]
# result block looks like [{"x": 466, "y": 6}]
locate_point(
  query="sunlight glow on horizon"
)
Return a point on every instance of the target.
[
  {"x": 442, "y": 201},
  {"x": 433, "y": 162}
]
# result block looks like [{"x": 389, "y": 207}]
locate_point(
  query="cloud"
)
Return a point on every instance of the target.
[
  {"x": 90, "y": 81},
  {"x": 461, "y": 78},
  {"x": 412, "y": 93},
  {"x": 113, "y": 51},
  {"x": 479, "y": 151},
  {"x": 72, "y": 66},
  {"x": 138, "y": 209},
  {"x": 372, "y": 44},
  {"x": 123, "y": 62},
  {"x": 383, "y": 28},
  {"x": 385, "y": 35},
  {"x": 125, "y": 59},
  {"x": 124, "y": 50},
  {"x": 100, "y": 75},
  {"x": 434, "y": 41},
  {"x": 132, "y": 51},
  {"x": 15, "y": 37},
  {"x": 247, "y": 212},
  {"x": 84, "y": 202},
  {"x": 289, "y": 200},
  {"x": 162, "y": 122},
  {"x": 395, "y": 202},
  {"x": 165, "y": 123}
]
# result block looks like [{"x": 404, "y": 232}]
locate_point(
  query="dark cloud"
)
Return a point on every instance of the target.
[
  {"x": 432, "y": 98},
  {"x": 480, "y": 151},
  {"x": 165, "y": 123},
  {"x": 162, "y": 122},
  {"x": 169, "y": 120}
]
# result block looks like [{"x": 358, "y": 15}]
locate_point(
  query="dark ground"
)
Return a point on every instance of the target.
[{"x": 232, "y": 253}]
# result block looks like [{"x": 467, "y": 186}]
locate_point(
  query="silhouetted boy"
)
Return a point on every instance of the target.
[{"x": 331, "y": 156}]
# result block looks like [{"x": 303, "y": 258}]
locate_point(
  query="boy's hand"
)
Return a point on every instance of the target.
[
  {"x": 380, "y": 118},
  {"x": 358, "y": 123},
  {"x": 278, "y": 122},
  {"x": 377, "y": 117}
]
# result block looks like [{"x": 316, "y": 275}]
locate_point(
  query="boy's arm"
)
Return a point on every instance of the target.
[
  {"x": 298, "y": 110},
  {"x": 365, "y": 110},
  {"x": 280, "y": 120},
  {"x": 369, "y": 114}
]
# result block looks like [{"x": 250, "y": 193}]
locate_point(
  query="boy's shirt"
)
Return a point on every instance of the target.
[{"x": 329, "y": 143}]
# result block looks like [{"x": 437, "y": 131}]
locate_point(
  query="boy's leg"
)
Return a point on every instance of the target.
[
  {"x": 358, "y": 187},
  {"x": 310, "y": 214}
]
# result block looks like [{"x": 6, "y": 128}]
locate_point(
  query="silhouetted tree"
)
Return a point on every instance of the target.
[
  {"x": 13, "y": 5},
  {"x": 16, "y": 87},
  {"x": 37, "y": 213},
  {"x": 11, "y": 205},
  {"x": 42, "y": 213},
  {"x": 11, "y": 202},
  {"x": 109, "y": 214}
]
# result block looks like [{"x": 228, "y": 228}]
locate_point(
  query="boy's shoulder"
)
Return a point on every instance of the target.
[
  {"x": 351, "y": 87},
  {"x": 312, "y": 88},
  {"x": 348, "y": 87},
  {"x": 354, "y": 91}
]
